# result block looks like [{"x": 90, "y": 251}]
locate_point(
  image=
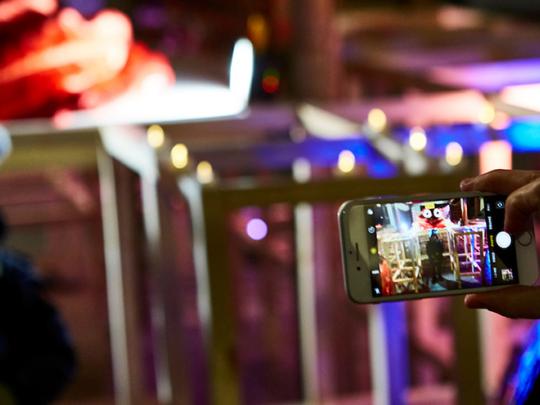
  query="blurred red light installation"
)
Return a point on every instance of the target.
[
  {"x": 65, "y": 62},
  {"x": 11, "y": 9}
]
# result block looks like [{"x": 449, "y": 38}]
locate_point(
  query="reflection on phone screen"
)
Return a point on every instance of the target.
[{"x": 436, "y": 246}]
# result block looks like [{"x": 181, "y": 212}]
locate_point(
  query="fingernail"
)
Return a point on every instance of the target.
[
  {"x": 465, "y": 183},
  {"x": 473, "y": 301}
]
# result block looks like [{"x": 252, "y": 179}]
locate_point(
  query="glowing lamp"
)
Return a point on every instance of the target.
[
  {"x": 417, "y": 139},
  {"x": 454, "y": 153},
  {"x": 205, "y": 172},
  {"x": 179, "y": 156},
  {"x": 346, "y": 161},
  {"x": 377, "y": 120},
  {"x": 256, "y": 229},
  {"x": 155, "y": 136}
]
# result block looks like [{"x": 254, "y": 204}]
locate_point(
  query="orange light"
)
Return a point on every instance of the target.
[
  {"x": 258, "y": 31},
  {"x": 495, "y": 155}
]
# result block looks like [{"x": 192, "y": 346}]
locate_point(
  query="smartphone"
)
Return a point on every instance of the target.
[{"x": 431, "y": 245}]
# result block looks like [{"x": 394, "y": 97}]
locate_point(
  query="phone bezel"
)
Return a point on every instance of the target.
[{"x": 352, "y": 232}]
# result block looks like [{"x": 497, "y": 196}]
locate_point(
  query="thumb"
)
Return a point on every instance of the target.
[{"x": 512, "y": 302}]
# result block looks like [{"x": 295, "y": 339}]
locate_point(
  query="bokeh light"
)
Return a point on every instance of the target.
[
  {"x": 377, "y": 120},
  {"x": 487, "y": 114},
  {"x": 155, "y": 136},
  {"x": 256, "y": 229},
  {"x": 179, "y": 156},
  {"x": 258, "y": 31},
  {"x": 270, "y": 81},
  {"x": 346, "y": 161},
  {"x": 417, "y": 139},
  {"x": 454, "y": 153},
  {"x": 501, "y": 121},
  {"x": 205, "y": 172}
]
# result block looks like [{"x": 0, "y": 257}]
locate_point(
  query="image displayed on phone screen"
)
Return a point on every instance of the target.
[{"x": 436, "y": 246}]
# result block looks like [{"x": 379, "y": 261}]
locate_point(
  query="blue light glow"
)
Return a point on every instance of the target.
[
  {"x": 469, "y": 136},
  {"x": 528, "y": 368},
  {"x": 488, "y": 270},
  {"x": 382, "y": 169},
  {"x": 324, "y": 153},
  {"x": 524, "y": 135}
]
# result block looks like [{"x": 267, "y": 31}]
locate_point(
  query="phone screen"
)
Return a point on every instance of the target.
[{"x": 435, "y": 246}]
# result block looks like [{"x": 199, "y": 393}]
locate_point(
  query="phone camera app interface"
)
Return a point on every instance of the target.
[{"x": 436, "y": 246}]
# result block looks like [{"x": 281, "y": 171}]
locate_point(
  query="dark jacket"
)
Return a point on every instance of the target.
[{"x": 37, "y": 359}]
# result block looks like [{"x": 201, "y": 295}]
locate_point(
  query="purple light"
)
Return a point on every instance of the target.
[{"x": 256, "y": 229}]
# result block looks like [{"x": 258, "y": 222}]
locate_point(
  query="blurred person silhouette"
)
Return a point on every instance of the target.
[
  {"x": 523, "y": 190},
  {"x": 37, "y": 359}
]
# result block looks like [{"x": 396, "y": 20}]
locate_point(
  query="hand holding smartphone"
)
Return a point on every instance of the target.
[{"x": 433, "y": 245}]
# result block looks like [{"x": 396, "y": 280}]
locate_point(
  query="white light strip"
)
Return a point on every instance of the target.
[
  {"x": 241, "y": 70},
  {"x": 325, "y": 125}
]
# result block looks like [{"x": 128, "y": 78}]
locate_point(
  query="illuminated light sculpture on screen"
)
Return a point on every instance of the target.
[
  {"x": 448, "y": 235},
  {"x": 433, "y": 216},
  {"x": 85, "y": 73}
]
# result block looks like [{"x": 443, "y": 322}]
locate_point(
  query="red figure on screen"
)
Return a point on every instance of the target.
[{"x": 433, "y": 216}]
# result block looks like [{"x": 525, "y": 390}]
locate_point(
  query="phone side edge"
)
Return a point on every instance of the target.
[{"x": 349, "y": 271}]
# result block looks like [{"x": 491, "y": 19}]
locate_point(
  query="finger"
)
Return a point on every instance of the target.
[
  {"x": 499, "y": 181},
  {"x": 520, "y": 206},
  {"x": 512, "y": 302}
]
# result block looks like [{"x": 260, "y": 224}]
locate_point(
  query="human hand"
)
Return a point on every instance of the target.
[{"x": 523, "y": 187}]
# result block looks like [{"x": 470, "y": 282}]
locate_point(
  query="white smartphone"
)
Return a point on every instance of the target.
[{"x": 431, "y": 245}]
